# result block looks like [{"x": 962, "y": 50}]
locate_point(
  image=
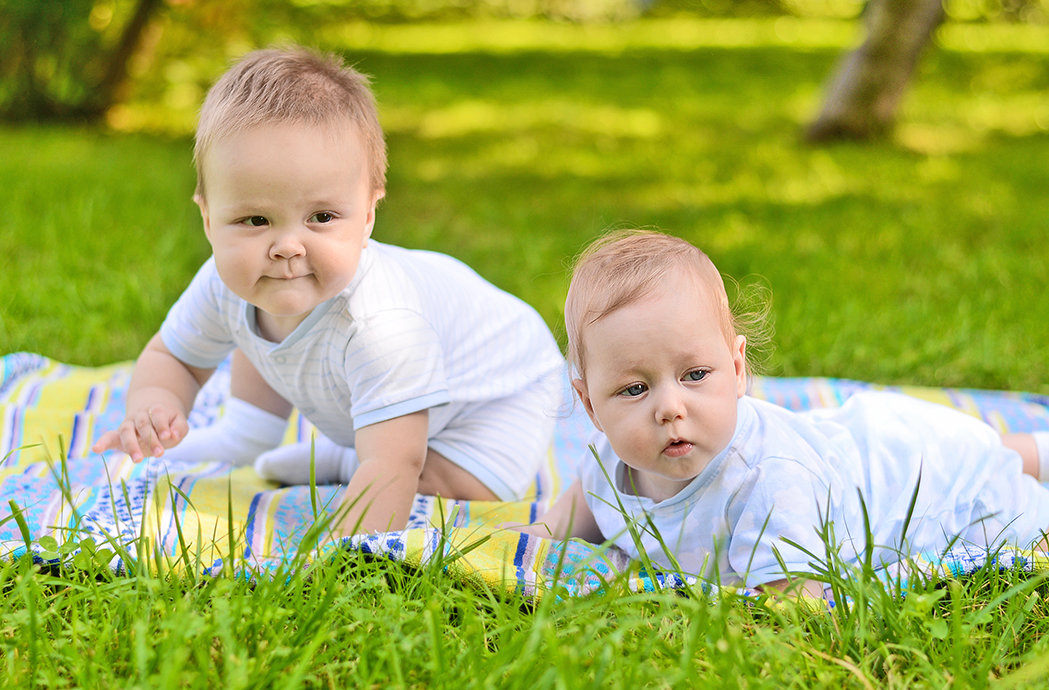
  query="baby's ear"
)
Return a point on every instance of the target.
[
  {"x": 198, "y": 199},
  {"x": 584, "y": 397},
  {"x": 377, "y": 196},
  {"x": 739, "y": 361}
]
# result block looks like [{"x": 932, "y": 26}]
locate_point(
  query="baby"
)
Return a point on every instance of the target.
[
  {"x": 422, "y": 376},
  {"x": 733, "y": 484}
]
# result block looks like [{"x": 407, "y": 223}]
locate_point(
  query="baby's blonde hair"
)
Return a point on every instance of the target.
[
  {"x": 292, "y": 85},
  {"x": 625, "y": 266}
]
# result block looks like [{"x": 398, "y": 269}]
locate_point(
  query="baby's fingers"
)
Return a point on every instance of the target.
[
  {"x": 170, "y": 427},
  {"x": 148, "y": 432},
  {"x": 142, "y": 437},
  {"x": 125, "y": 438},
  {"x": 107, "y": 441}
]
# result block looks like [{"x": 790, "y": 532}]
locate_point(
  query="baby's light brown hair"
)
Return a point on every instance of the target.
[
  {"x": 625, "y": 266},
  {"x": 292, "y": 85}
]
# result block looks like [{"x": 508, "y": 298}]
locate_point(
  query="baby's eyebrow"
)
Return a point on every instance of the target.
[
  {"x": 632, "y": 368},
  {"x": 241, "y": 208}
]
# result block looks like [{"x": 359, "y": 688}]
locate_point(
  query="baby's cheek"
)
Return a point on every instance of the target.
[
  {"x": 724, "y": 432},
  {"x": 637, "y": 447}
]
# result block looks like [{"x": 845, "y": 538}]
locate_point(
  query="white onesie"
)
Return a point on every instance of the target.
[{"x": 414, "y": 330}]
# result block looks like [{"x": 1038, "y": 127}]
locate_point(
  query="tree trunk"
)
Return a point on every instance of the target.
[
  {"x": 865, "y": 92},
  {"x": 53, "y": 65},
  {"x": 117, "y": 68}
]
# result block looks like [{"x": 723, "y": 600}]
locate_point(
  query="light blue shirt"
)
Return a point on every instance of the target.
[{"x": 785, "y": 475}]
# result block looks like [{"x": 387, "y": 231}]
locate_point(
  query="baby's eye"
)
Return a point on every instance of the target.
[
  {"x": 696, "y": 375},
  {"x": 322, "y": 217},
  {"x": 256, "y": 221},
  {"x": 633, "y": 390}
]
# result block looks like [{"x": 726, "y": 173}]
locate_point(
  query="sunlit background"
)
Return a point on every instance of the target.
[{"x": 521, "y": 129}]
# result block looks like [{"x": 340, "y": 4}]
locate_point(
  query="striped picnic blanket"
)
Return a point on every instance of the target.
[{"x": 56, "y": 495}]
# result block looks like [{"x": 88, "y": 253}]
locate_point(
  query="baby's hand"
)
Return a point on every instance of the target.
[{"x": 146, "y": 433}]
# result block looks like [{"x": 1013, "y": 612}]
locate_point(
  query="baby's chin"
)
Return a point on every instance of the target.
[{"x": 659, "y": 486}]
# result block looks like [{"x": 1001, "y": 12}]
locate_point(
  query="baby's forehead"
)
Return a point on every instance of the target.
[
  {"x": 340, "y": 135},
  {"x": 698, "y": 289},
  {"x": 697, "y": 282},
  {"x": 680, "y": 315},
  {"x": 333, "y": 127}
]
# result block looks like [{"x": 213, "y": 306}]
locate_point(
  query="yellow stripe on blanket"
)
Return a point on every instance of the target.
[
  {"x": 211, "y": 523},
  {"x": 215, "y": 518}
]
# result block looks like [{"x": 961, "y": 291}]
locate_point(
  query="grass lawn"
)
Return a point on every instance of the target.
[{"x": 918, "y": 260}]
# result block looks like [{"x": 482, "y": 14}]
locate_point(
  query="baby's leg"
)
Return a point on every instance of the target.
[
  {"x": 335, "y": 464},
  {"x": 442, "y": 477},
  {"x": 1034, "y": 451},
  {"x": 494, "y": 449},
  {"x": 332, "y": 463}
]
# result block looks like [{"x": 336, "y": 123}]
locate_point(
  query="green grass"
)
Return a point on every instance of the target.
[
  {"x": 99, "y": 235},
  {"x": 918, "y": 260},
  {"x": 378, "y": 624}
]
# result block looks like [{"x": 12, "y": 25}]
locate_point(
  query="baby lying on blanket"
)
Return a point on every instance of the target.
[
  {"x": 738, "y": 488},
  {"x": 423, "y": 377}
]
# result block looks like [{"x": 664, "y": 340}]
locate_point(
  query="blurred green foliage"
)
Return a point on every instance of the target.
[
  {"x": 77, "y": 59},
  {"x": 50, "y": 56}
]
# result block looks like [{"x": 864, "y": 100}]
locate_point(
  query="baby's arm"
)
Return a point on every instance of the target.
[
  {"x": 159, "y": 398},
  {"x": 569, "y": 517},
  {"x": 391, "y": 454}
]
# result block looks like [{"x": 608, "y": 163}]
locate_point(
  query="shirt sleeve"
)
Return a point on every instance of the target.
[
  {"x": 196, "y": 329},
  {"x": 776, "y": 520}
]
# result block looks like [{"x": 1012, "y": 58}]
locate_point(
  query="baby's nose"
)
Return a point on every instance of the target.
[
  {"x": 286, "y": 246},
  {"x": 669, "y": 407}
]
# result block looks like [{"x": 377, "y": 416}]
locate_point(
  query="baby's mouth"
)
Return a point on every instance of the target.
[{"x": 677, "y": 449}]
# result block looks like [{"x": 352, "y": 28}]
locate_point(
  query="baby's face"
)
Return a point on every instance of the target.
[
  {"x": 662, "y": 383},
  {"x": 288, "y": 209}
]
